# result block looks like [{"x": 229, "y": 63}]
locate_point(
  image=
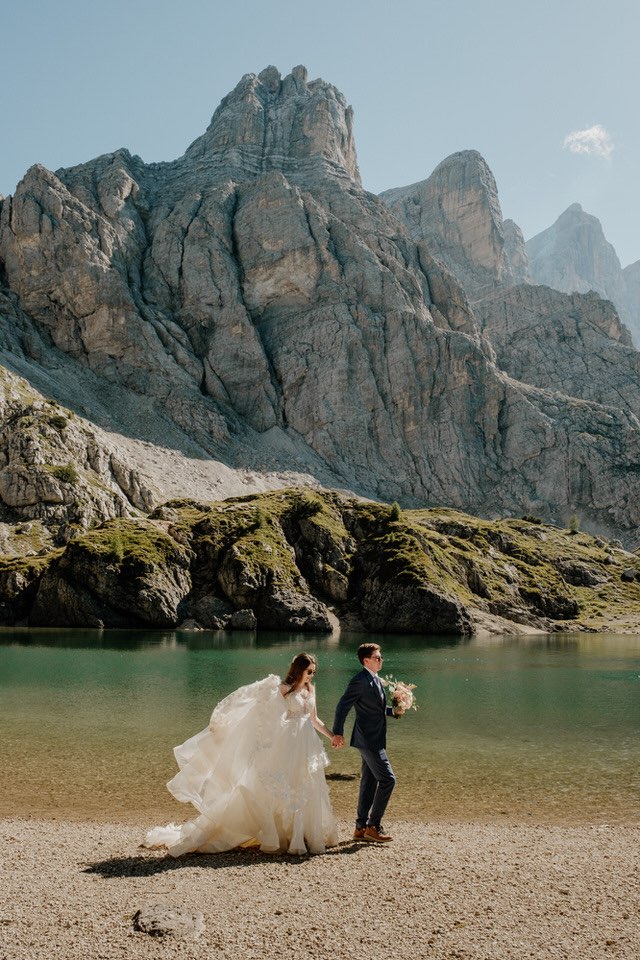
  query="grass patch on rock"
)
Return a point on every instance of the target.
[
  {"x": 65, "y": 472},
  {"x": 138, "y": 543},
  {"x": 343, "y": 551}
]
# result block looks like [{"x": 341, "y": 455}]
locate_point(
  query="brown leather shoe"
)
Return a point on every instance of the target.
[
  {"x": 373, "y": 835},
  {"x": 358, "y": 833}
]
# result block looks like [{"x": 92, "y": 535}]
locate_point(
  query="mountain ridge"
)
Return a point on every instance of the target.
[{"x": 257, "y": 301}]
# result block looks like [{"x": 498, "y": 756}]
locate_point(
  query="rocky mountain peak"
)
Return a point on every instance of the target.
[
  {"x": 251, "y": 307},
  {"x": 273, "y": 123},
  {"x": 457, "y": 213},
  {"x": 574, "y": 256}
]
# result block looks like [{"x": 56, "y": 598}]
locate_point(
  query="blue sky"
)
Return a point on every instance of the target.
[{"x": 513, "y": 80}]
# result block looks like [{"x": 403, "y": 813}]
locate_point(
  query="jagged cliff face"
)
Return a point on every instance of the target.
[
  {"x": 516, "y": 252},
  {"x": 280, "y": 316},
  {"x": 574, "y": 344},
  {"x": 58, "y": 477},
  {"x": 631, "y": 277},
  {"x": 574, "y": 256},
  {"x": 456, "y": 212},
  {"x": 565, "y": 344}
]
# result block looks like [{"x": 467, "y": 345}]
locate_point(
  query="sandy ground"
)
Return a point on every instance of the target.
[{"x": 439, "y": 890}]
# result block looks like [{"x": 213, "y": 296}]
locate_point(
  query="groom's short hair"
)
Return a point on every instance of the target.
[{"x": 366, "y": 650}]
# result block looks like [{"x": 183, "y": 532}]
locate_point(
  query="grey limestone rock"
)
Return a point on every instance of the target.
[
  {"x": 449, "y": 305},
  {"x": 516, "y": 251},
  {"x": 412, "y": 571},
  {"x": 631, "y": 278},
  {"x": 123, "y": 574},
  {"x": 267, "y": 123},
  {"x": 573, "y": 255},
  {"x": 260, "y": 574},
  {"x": 211, "y": 611},
  {"x": 160, "y": 919},
  {"x": 456, "y": 212},
  {"x": 280, "y": 315},
  {"x": 580, "y": 574},
  {"x": 18, "y": 589},
  {"x": 405, "y": 608},
  {"x": 243, "y": 620},
  {"x": 571, "y": 343},
  {"x": 286, "y": 609},
  {"x": 54, "y": 468},
  {"x": 324, "y": 551}
]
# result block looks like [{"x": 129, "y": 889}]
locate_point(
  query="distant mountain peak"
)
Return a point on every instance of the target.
[{"x": 574, "y": 256}]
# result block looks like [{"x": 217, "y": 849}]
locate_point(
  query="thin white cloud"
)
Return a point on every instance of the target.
[{"x": 594, "y": 141}]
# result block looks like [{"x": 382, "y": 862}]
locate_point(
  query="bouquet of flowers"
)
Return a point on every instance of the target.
[{"x": 401, "y": 693}]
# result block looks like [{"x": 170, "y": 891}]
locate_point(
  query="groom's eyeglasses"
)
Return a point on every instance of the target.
[{"x": 377, "y": 657}]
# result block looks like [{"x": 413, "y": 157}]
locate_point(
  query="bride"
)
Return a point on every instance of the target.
[{"x": 256, "y": 773}]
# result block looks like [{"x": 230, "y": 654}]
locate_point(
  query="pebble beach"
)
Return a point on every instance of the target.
[{"x": 482, "y": 891}]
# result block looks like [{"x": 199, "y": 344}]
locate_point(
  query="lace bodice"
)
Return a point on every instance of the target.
[{"x": 301, "y": 703}]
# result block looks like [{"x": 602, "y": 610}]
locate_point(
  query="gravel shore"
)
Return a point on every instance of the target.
[{"x": 445, "y": 890}]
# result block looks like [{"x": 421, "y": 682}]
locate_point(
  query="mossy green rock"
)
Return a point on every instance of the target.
[
  {"x": 311, "y": 560},
  {"x": 19, "y": 581},
  {"x": 400, "y": 587},
  {"x": 243, "y": 553},
  {"x": 123, "y": 574}
]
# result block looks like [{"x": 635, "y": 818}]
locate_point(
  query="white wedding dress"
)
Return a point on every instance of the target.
[{"x": 256, "y": 777}]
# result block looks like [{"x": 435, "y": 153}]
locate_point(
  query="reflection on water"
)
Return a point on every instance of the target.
[
  {"x": 90, "y": 638},
  {"x": 544, "y": 728}
]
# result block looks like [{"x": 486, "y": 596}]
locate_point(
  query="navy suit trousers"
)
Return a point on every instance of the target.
[{"x": 376, "y": 786}]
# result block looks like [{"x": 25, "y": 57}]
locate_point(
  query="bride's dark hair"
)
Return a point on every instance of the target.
[{"x": 297, "y": 667}]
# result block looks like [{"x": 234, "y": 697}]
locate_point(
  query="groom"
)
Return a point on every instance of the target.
[{"x": 366, "y": 694}]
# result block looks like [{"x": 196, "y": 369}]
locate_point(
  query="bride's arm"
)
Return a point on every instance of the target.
[{"x": 319, "y": 725}]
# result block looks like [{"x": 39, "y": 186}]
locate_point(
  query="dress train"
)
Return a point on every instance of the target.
[{"x": 256, "y": 777}]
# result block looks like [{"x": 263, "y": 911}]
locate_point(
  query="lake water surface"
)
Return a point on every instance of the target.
[{"x": 543, "y": 729}]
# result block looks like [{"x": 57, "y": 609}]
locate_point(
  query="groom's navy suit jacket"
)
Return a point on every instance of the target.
[{"x": 370, "y": 728}]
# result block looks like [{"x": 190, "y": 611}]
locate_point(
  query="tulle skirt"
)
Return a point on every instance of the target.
[{"x": 255, "y": 776}]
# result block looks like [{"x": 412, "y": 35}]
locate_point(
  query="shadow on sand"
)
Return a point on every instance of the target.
[{"x": 149, "y": 863}]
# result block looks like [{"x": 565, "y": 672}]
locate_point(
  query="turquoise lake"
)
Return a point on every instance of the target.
[{"x": 542, "y": 729}]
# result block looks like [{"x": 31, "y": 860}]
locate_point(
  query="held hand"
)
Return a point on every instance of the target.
[{"x": 337, "y": 741}]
